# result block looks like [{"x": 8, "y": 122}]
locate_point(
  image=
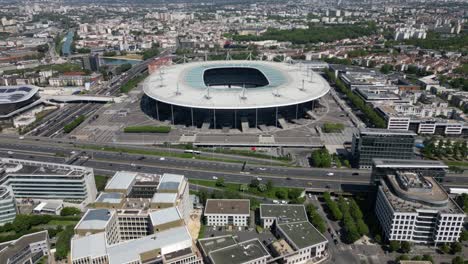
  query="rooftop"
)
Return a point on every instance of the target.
[
  {"x": 14, "y": 94},
  {"x": 228, "y": 206},
  {"x": 410, "y": 192},
  {"x": 243, "y": 252},
  {"x": 302, "y": 234},
  {"x": 170, "y": 181},
  {"x": 284, "y": 213},
  {"x": 94, "y": 219},
  {"x": 398, "y": 163},
  {"x": 122, "y": 180},
  {"x": 11, "y": 248},
  {"x": 184, "y": 85},
  {"x": 164, "y": 198},
  {"x": 164, "y": 216},
  {"x": 95, "y": 245},
  {"x": 28, "y": 167},
  {"x": 110, "y": 197},
  {"x": 390, "y": 132}
]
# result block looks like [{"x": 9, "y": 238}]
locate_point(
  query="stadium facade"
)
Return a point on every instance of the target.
[{"x": 233, "y": 94}]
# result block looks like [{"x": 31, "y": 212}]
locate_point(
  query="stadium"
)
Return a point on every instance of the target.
[
  {"x": 16, "y": 98},
  {"x": 232, "y": 94}
]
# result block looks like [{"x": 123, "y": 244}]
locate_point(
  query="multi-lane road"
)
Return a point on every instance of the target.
[{"x": 106, "y": 162}]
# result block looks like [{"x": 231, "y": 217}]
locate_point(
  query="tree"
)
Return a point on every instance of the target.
[
  {"x": 244, "y": 188},
  {"x": 428, "y": 258},
  {"x": 464, "y": 235},
  {"x": 456, "y": 247},
  {"x": 458, "y": 260},
  {"x": 394, "y": 246},
  {"x": 417, "y": 258},
  {"x": 220, "y": 182},
  {"x": 445, "y": 248},
  {"x": 362, "y": 227},
  {"x": 254, "y": 183},
  {"x": 321, "y": 158},
  {"x": 405, "y": 246},
  {"x": 355, "y": 210},
  {"x": 402, "y": 257},
  {"x": 269, "y": 185},
  {"x": 378, "y": 239},
  {"x": 281, "y": 194},
  {"x": 332, "y": 207},
  {"x": 386, "y": 68},
  {"x": 67, "y": 211},
  {"x": 63, "y": 242},
  {"x": 262, "y": 187},
  {"x": 203, "y": 196}
]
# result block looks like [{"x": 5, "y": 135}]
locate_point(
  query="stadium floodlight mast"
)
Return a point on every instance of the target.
[
  {"x": 207, "y": 95},
  {"x": 243, "y": 96},
  {"x": 178, "y": 90},
  {"x": 302, "y": 88}
]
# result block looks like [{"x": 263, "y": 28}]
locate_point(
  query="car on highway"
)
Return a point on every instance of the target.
[
  {"x": 162, "y": 158},
  {"x": 275, "y": 202},
  {"x": 133, "y": 165},
  {"x": 355, "y": 173},
  {"x": 21, "y": 137},
  {"x": 259, "y": 179},
  {"x": 330, "y": 174},
  {"x": 262, "y": 169},
  {"x": 284, "y": 202},
  {"x": 215, "y": 178},
  {"x": 288, "y": 178},
  {"x": 10, "y": 152}
]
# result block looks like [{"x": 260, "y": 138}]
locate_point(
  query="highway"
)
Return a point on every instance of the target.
[{"x": 106, "y": 163}]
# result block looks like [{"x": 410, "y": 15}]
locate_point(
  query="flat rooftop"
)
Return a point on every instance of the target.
[
  {"x": 11, "y": 248},
  {"x": 302, "y": 234},
  {"x": 170, "y": 181},
  {"x": 167, "y": 241},
  {"x": 378, "y": 131},
  {"x": 110, "y": 197},
  {"x": 243, "y": 252},
  {"x": 36, "y": 168},
  {"x": 164, "y": 198},
  {"x": 432, "y": 197},
  {"x": 398, "y": 163},
  {"x": 122, "y": 180},
  {"x": 164, "y": 216},
  {"x": 94, "y": 219},
  {"x": 228, "y": 206},
  {"x": 284, "y": 213}
]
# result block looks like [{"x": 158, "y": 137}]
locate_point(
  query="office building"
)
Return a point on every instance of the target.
[
  {"x": 44, "y": 180},
  {"x": 168, "y": 247},
  {"x": 298, "y": 240},
  {"x": 381, "y": 143},
  {"x": 137, "y": 205},
  {"x": 29, "y": 248},
  {"x": 227, "y": 212},
  {"x": 383, "y": 167},
  {"x": 91, "y": 62},
  {"x": 7, "y": 206},
  {"x": 226, "y": 249},
  {"x": 413, "y": 207}
]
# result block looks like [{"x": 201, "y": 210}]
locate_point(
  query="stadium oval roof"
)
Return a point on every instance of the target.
[
  {"x": 15, "y": 94},
  {"x": 184, "y": 85}
]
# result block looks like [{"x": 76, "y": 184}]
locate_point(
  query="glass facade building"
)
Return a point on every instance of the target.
[{"x": 381, "y": 143}]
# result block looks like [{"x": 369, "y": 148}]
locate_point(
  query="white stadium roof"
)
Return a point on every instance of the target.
[
  {"x": 15, "y": 94},
  {"x": 183, "y": 85}
]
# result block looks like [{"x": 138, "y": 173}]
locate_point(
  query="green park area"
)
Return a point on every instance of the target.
[{"x": 147, "y": 129}]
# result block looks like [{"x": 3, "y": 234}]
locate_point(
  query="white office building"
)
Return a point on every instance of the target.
[
  {"x": 225, "y": 212},
  {"x": 44, "y": 180},
  {"x": 7, "y": 206},
  {"x": 412, "y": 207}
]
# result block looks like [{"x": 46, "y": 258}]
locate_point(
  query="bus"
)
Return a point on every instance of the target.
[{"x": 192, "y": 151}]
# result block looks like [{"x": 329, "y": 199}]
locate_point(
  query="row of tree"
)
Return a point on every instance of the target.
[
  {"x": 315, "y": 218},
  {"x": 441, "y": 148},
  {"x": 415, "y": 258},
  {"x": 321, "y": 158},
  {"x": 350, "y": 215},
  {"x": 368, "y": 110}
]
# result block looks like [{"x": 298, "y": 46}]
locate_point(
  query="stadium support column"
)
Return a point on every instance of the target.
[
  {"x": 276, "y": 116},
  {"x": 172, "y": 114},
  {"x": 297, "y": 109},
  {"x": 256, "y": 117},
  {"x": 235, "y": 118},
  {"x": 214, "y": 118},
  {"x": 191, "y": 114},
  {"x": 157, "y": 111}
]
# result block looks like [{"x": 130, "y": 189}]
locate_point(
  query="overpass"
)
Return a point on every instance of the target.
[{"x": 80, "y": 98}]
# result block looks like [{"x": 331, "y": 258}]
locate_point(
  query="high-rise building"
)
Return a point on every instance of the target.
[
  {"x": 91, "y": 62},
  {"x": 381, "y": 143},
  {"x": 413, "y": 207}
]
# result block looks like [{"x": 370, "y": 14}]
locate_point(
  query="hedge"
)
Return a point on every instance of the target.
[
  {"x": 147, "y": 129},
  {"x": 72, "y": 125}
]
